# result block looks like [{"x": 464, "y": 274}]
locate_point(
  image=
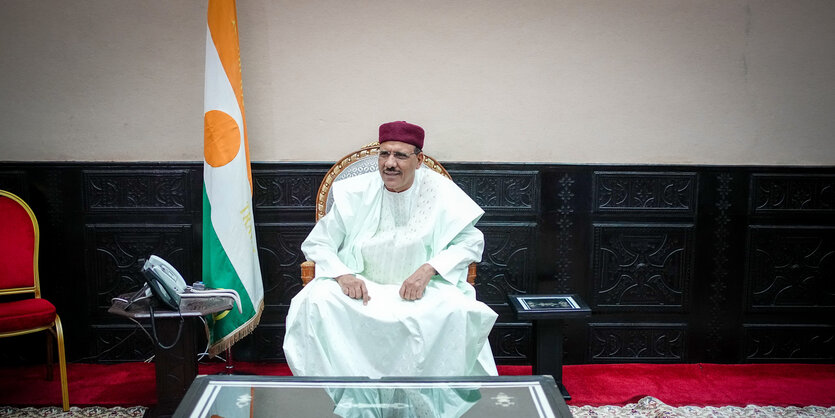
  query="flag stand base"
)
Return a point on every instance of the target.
[{"x": 230, "y": 366}]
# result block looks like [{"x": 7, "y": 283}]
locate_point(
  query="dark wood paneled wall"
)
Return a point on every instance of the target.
[{"x": 679, "y": 263}]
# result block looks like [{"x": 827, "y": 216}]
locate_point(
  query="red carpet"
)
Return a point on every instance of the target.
[
  {"x": 132, "y": 384},
  {"x": 702, "y": 384}
]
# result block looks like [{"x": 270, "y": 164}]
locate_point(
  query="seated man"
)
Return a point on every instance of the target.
[{"x": 390, "y": 296}]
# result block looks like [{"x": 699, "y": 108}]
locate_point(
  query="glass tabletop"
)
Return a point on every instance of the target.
[{"x": 261, "y": 396}]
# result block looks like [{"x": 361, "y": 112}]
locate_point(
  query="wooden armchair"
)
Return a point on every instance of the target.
[{"x": 359, "y": 162}]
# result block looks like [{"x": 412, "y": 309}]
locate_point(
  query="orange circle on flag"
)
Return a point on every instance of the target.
[{"x": 221, "y": 138}]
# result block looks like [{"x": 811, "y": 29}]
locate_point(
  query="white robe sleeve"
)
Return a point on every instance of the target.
[
  {"x": 464, "y": 249},
  {"x": 323, "y": 243}
]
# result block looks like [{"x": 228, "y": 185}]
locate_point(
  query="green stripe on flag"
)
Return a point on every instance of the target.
[{"x": 218, "y": 273}]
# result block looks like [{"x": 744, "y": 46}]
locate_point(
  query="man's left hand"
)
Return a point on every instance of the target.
[{"x": 414, "y": 285}]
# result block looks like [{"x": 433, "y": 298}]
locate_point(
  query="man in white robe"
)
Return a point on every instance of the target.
[{"x": 390, "y": 296}]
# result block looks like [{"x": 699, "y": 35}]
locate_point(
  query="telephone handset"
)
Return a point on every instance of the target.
[{"x": 165, "y": 281}]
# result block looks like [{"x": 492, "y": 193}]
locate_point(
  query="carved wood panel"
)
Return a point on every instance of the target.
[
  {"x": 508, "y": 263},
  {"x": 566, "y": 226},
  {"x": 720, "y": 270},
  {"x": 625, "y": 238},
  {"x": 119, "y": 343},
  {"x": 277, "y": 190},
  {"x": 511, "y": 342},
  {"x": 789, "y": 343},
  {"x": 637, "y": 342},
  {"x": 645, "y": 192},
  {"x": 790, "y": 267},
  {"x": 642, "y": 267},
  {"x": 137, "y": 190},
  {"x": 14, "y": 181},
  {"x": 501, "y": 191},
  {"x": 264, "y": 344},
  {"x": 792, "y": 193},
  {"x": 114, "y": 253},
  {"x": 280, "y": 254}
]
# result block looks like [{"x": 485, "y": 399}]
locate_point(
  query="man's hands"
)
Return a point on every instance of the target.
[
  {"x": 353, "y": 287},
  {"x": 412, "y": 288},
  {"x": 414, "y": 285}
]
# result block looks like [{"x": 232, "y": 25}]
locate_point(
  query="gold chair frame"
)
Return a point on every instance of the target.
[
  {"x": 54, "y": 329},
  {"x": 335, "y": 173}
]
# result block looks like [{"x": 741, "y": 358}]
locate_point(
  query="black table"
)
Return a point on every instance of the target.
[
  {"x": 175, "y": 367},
  {"x": 547, "y": 312},
  {"x": 300, "y": 397}
]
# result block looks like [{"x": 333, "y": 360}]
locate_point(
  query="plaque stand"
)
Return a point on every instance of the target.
[{"x": 548, "y": 314}]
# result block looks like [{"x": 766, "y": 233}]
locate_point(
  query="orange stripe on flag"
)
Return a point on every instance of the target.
[{"x": 223, "y": 26}]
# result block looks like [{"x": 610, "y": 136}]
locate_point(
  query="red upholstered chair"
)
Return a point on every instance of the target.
[{"x": 19, "y": 239}]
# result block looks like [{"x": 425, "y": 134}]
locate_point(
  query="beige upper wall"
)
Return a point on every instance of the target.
[{"x": 575, "y": 81}]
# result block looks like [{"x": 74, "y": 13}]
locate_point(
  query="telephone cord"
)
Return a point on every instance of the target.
[{"x": 154, "y": 329}]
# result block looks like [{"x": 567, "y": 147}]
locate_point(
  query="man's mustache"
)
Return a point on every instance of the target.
[{"x": 391, "y": 171}]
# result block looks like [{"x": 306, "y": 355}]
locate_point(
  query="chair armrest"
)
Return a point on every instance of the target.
[
  {"x": 471, "y": 273},
  {"x": 308, "y": 272}
]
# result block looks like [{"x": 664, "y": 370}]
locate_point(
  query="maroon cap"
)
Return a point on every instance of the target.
[{"x": 403, "y": 132}]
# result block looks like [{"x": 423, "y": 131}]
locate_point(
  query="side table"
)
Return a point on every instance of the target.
[
  {"x": 175, "y": 367},
  {"x": 547, "y": 313}
]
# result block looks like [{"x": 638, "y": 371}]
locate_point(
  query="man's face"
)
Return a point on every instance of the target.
[{"x": 398, "y": 174}]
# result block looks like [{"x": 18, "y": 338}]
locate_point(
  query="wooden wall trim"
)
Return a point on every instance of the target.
[{"x": 679, "y": 263}]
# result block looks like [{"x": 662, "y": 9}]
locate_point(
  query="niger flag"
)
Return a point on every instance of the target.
[{"x": 230, "y": 253}]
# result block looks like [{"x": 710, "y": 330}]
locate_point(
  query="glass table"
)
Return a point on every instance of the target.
[{"x": 266, "y": 396}]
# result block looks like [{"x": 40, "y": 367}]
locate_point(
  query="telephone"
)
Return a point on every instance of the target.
[
  {"x": 165, "y": 281},
  {"x": 168, "y": 285}
]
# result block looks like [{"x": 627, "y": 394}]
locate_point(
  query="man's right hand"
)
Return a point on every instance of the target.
[{"x": 353, "y": 287}]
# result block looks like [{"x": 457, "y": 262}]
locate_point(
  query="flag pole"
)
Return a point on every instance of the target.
[{"x": 230, "y": 366}]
